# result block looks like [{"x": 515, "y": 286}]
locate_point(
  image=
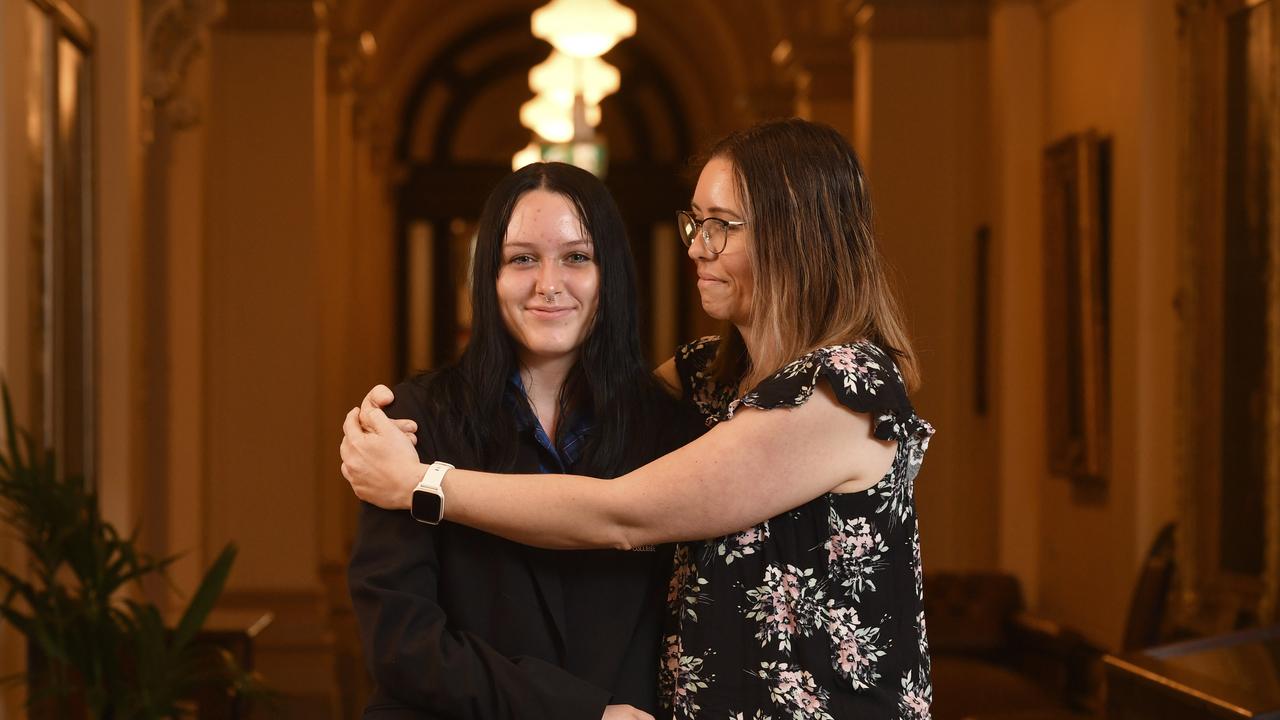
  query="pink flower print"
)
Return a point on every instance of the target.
[
  {"x": 680, "y": 678},
  {"x": 856, "y": 648},
  {"x": 808, "y": 702},
  {"x": 913, "y": 703},
  {"x": 685, "y": 591},
  {"x": 671, "y": 657},
  {"x": 853, "y": 546},
  {"x": 848, "y": 655},
  {"x": 848, "y": 360},
  {"x": 791, "y": 585},
  {"x": 739, "y": 545},
  {"x": 795, "y": 691},
  {"x": 855, "y": 553},
  {"x": 677, "y": 582},
  {"x": 790, "y": 602},
  {"x": 783, "y": 618}
]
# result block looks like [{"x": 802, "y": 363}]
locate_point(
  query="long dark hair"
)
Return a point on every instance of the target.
[
  {"x": 814, "y": 250},
  {"x": 610, "y": 379}
]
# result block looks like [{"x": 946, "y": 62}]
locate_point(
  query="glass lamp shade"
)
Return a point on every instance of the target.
[
  {"x": 584, "y": 28},
  {"x": 550, "y": 119},
  {"x": 560, "y": 75},
  {"x": 527, "y": 155}
]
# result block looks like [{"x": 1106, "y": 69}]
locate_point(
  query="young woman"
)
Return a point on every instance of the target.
[
  {"x": 815, "y": 609},
  {"x": 460, "y": 624}
]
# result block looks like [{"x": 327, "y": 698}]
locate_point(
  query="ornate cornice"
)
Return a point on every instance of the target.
[
  {"x": 921, "y": 18},
  {"x": 275, "y": 16}
]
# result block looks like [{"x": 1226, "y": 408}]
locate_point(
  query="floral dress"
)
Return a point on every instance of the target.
[{"x": 816, "y": 614}]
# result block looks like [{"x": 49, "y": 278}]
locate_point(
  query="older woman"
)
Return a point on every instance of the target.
[{"x": 814, "y": 610}]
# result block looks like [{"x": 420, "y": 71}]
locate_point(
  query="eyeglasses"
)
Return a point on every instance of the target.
[{"x": 713, "y": 230}]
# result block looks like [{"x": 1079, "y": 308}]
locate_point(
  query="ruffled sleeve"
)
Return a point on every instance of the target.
[
  {"x": 692, "y": 360},
  {"x": 864, "y": 379},
  {"x": 698, "y": 386}
]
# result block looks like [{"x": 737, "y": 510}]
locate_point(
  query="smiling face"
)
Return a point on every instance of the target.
[
  {"x": 725, "y": 281},
  {"x": 548, "y": 285}
]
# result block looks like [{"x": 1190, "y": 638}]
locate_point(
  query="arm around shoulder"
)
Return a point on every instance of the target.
[
  {"x": 413, "y": 651},
  {"x": 744, "y": 471}
]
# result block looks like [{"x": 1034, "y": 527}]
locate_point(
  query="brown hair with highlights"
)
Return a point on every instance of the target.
[{"x": 819, "y": 277}]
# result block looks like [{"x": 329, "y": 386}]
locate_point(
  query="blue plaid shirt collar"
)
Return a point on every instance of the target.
[{"x": 578, "y": 427}]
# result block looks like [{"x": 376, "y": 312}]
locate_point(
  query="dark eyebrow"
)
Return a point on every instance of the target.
[
  {"x": 520, "y": 244},
  {"x": 716, "y": 210}
]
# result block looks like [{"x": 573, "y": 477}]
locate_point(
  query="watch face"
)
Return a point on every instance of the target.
[{"x": 427, "y": 506}]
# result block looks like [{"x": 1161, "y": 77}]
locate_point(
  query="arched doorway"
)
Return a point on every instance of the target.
[{"x": 457, "y": 132}]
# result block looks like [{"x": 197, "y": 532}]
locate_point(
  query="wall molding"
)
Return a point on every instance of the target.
[
  {"x": 302, "y": 16},
  {"x": 922, "y": 18}
]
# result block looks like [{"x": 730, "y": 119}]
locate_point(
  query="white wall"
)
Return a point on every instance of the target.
[
  {"x": 1017, "y": 129},
  {"x": 952, "y": 118},
  {"x": 922, "y": 133},
  {"x": 1109, "y": 67}
]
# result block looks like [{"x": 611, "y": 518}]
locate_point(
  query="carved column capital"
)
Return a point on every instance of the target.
[
  {"x": 173, "y": 33},
  {"x": 349, "y": 56},
  {"x": 821, "y": 68}
]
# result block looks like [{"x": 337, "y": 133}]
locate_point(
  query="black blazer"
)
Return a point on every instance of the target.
[{"x": 457, "y": 623}]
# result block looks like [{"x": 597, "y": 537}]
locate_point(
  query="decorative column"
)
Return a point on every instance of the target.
[
  {"x": 167, "y": 438},
  {"x": 269, "y": 436},
  {"x": 356, "y": 264},
  {"x": 341, "y": 243}
]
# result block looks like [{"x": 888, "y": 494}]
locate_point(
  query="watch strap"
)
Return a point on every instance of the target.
[{"x": 433, "y": 478}]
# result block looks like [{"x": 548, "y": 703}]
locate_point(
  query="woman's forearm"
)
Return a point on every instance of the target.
[
  {"x": 735, "y": 476},
  {"x": 551, "y": 511}
]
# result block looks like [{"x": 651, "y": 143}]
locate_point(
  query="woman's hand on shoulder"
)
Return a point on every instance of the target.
[{"x": 378, "y": 456}]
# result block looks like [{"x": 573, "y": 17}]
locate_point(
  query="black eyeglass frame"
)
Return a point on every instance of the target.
[{"x": 685, "y": 217}]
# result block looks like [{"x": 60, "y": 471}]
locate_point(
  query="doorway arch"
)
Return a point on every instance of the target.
[{"x": 457, "y": 130}]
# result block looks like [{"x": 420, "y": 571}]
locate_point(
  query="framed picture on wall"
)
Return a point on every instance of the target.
[{"x": 1076, "y": 222}]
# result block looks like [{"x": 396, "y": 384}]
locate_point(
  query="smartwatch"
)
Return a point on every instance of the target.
[{"x": 428, "y": 497}]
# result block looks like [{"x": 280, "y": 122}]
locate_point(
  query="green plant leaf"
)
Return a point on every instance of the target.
[
  {"x": 114, "y": 654},
  {"x": 205, "y": 596}
]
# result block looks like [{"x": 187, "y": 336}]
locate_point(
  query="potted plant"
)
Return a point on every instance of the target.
[{"x": 92, "y": 651}]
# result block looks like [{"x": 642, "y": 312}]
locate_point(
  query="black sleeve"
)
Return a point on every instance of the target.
[
  {"x": 692, "y": 360},
  {"x": 863, "y": 378},
  {"x": 415, "y": 656},
  {"x": 682, "y": 424}
]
